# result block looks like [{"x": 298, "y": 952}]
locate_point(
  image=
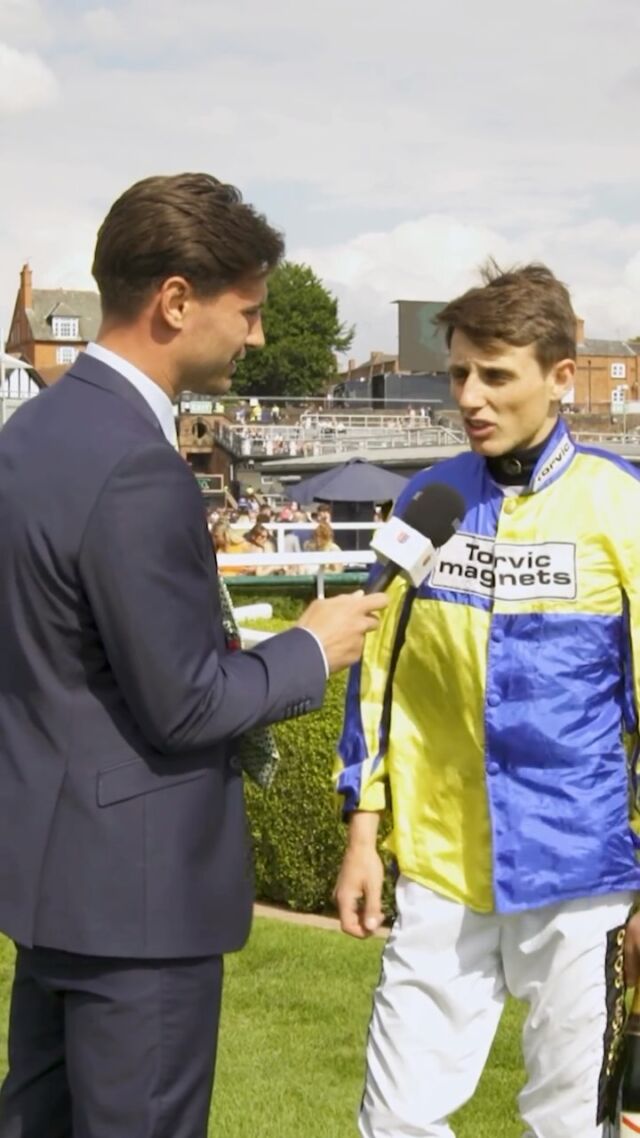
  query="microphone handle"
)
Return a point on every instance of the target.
[{"x": 380, "y": 583}]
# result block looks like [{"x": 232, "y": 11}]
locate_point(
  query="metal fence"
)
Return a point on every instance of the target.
[{"x": 324, "y": 437}]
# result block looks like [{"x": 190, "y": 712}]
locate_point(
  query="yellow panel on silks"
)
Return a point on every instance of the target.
[
  {"x": 441, "y": 833},
  {"x": 503, "y": 744}
]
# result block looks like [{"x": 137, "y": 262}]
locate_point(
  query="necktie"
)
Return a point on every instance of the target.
[{"x": 256, "y": 751}]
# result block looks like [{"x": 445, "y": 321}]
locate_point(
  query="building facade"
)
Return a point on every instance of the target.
[
  {"x": 50, "y": 327},
  {"x": 604, "y": 365}
]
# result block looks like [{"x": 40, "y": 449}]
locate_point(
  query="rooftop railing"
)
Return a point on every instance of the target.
[{"x": 323, "y": 438}]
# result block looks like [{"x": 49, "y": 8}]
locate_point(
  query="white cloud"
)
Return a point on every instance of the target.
[
  {"x": 23, "y": 21},
  {"x": 102, "y": 25},
  {"x": 438, "y": 256},
  {"x": 25, "y": 81},
  {"x": 424, "y": 135}
]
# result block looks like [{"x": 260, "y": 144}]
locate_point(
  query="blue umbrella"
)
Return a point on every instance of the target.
[{"x": 354, "y": 481}]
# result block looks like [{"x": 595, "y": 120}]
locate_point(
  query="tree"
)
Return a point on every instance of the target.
[{"x": 302, "y": 332}]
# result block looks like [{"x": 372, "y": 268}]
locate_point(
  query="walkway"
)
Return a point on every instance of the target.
[{"x": 279, "y": 914}]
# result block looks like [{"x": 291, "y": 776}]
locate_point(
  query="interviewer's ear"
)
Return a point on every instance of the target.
[{"x": 174, "y": 297}]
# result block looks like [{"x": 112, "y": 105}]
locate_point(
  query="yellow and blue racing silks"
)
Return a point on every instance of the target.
[{"x": 506, "y": 741}]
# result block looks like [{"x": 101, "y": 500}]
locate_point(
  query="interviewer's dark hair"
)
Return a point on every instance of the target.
[
  {"x": 524, "y": 305},
  {"x": 188, "y": 225}
]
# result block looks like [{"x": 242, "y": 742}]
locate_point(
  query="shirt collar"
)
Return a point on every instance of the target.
[
  {"x": 157, "y": 399},
  {"x": 554, "y": 459}
]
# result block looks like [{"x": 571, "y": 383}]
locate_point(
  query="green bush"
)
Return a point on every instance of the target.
[
  {"x": 298, "y": 835},
  {"x": 296, "y": 826},
  {"x": 290, "y": 595},
  {"x": 285, "y": 606}
]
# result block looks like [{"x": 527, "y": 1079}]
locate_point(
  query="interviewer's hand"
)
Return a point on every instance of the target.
[
  {"x": 358, "y": 892},
  {"x": 341, "y": 624}
]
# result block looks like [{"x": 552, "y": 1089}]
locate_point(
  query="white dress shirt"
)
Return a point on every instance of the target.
[{"x": 152, "y": 394}]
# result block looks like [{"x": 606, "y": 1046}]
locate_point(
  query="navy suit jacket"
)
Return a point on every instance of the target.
[{"x": 122, "y": 823}]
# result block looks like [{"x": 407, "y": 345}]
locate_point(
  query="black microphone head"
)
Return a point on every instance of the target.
[{"x": 436, "y": 512}]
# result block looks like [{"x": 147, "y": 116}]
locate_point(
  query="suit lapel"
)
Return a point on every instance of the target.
[{"x": 90, "y": 370}]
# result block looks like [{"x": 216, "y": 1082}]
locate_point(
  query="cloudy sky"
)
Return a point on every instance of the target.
[{"x": 396, "y": 143}]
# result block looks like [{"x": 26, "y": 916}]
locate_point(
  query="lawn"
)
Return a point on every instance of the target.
[{"x": 295, "y": 1016}]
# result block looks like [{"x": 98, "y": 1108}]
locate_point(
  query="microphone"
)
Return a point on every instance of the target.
[{"x": 408, "y": 544}]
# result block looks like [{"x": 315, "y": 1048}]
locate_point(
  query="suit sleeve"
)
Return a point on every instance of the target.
[{"x": 145, "y": 565}]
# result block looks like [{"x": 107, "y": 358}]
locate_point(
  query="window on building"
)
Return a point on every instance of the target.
[
  {"x": 66, "y": 327},
  {"x": 66, "y": 355},
  {"x": 618, "y": 371}
]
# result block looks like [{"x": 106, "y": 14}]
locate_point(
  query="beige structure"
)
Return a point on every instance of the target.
[
  {"x": 377, "y": 363},
  {"x": 197, "y": 444},
  {"x": 602, "y": 366}
]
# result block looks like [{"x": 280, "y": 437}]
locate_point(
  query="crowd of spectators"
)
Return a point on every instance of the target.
[{"x": 248, "y": 528}]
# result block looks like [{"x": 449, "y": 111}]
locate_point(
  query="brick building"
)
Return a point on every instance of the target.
[
  {"x": 602, "y": 366},
  {"x": 51, "y": 325}
]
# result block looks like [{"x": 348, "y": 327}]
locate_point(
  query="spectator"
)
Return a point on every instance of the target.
[
  {"x": 291, "y": 543},
  {"x": 243, "y": 520},
  {"x": 264, "y": 518},
  {"x": 300, "y": 517},
  {"x": 226, "y": 541},
  {"x": 257, "y": 540},
  {"x": 323, "y": 513},
  {"x": 321, "y": 541}
]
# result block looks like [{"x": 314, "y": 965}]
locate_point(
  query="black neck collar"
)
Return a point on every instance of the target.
[{"x": 517, "y": 466}]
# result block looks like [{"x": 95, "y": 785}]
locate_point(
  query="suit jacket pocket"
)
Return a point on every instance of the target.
[{"x": 135, "y": 777}]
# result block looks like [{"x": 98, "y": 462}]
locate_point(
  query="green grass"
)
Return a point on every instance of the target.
[{"x": 295, "y": 1014}]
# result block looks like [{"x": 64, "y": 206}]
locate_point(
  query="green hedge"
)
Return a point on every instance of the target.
[
  {"x": 285, "y": 606},
  {"x": 298, "y": 834},
  {"x": 289, "y": 596}
]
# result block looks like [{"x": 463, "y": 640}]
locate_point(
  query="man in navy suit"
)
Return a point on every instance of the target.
[{"x": 124, "y": 863}]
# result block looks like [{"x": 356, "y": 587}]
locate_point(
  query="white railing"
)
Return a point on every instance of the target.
[
  {"x": 279, "y": 530},
  {"x": 316, "y": 560},
  {"x": 629, "y": 436},
  {"x": 250, "y": 636},
  {"x": 320, "y": 437},
  {"x": 8, "y": 404}
]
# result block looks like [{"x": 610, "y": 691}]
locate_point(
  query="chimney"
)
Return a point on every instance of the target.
[
  {"x": 579, "y": 330},
  {"x": 351, "y": 366},
  {"x": 26, "y": 291}
]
